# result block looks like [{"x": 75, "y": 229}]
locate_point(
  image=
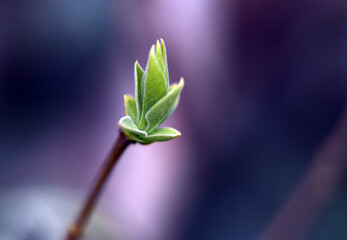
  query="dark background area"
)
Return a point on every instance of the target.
[{"x": 266, "y": 84}]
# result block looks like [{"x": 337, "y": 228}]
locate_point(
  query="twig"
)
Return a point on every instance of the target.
[{"x": 76, "y": 229}]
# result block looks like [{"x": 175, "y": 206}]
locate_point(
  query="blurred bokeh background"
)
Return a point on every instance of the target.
[{"x": 262, "y": 155}]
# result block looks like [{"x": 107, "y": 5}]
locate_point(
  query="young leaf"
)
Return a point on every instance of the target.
[
  {"x": 164, "y": 107},
  {"x": 176, "y": 102},
  {"x": 153, "y": 86},
  {"x": 127, "y": 124},
  {"x": 159, "y": 56},
  {"x": 163, "y": 53},
  {"x": 162, "y": 134},
  {"x": 130, "y": 106},
  {"x": 138, "y": 97}
]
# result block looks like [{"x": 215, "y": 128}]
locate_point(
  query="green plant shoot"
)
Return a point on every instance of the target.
[{"x": 154, "y": 102}]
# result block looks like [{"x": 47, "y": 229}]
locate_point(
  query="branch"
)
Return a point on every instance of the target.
[{"x": 77, "y": 228}]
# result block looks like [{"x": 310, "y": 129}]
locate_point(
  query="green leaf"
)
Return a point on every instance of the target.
[
  {"x": 177, "y": 99},
  {"x": 153, "y": 86},
  {"x": 159, "y": 56},
  {"x": 173, "y": 108},
  {"x": 127, "y": 124},
  {"x": 163, "y": 53},
  {"x": 130, "y": 106},
  {"x": 162, "y": 134},
  {"x": 138, "y": 80},
  {"x": 163, "y": 108}
]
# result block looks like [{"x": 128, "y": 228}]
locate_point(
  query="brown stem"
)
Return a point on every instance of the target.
[{"x": 76, "y": 229}]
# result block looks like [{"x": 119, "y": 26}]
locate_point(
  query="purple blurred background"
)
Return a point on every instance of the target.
[{"x": 266, "y": 84}]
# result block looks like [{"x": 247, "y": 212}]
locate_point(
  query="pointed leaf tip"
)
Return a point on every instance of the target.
[
  {"x": 159, "y": 56},
  {"x": 152, "y": 51},
  {"x": 181, "y": 82}
]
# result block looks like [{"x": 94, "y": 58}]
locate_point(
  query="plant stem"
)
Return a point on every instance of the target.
[{"x": 76, "y": 229}]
